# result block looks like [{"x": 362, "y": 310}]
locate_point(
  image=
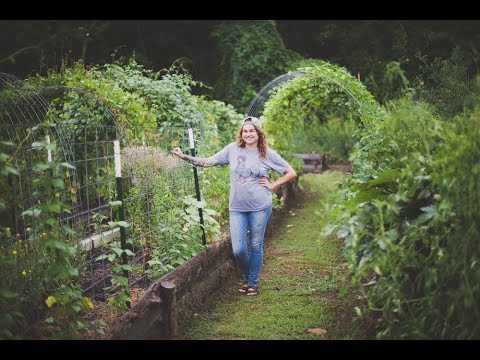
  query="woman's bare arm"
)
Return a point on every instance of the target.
[{"x": 197, "y": 161}]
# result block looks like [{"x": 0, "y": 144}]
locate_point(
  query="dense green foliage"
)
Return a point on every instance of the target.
[
  {"x": 366, "y": 47},
  {"x": 40, "y": 267},
  {"x": 407, "y": 223},
  {"x": 134, "y": 95},
  {"x": 456, "y": 231},
  {"x": 445, "y": 83},
  {"x": 377, "y": 51},
  {"x": 389, "y": 83},
  {"x": 252, "y": 54},
  {"x": 401, "y": 230}
]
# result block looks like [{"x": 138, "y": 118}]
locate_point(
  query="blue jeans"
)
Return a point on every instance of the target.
[{"x": 248, "y": 250}]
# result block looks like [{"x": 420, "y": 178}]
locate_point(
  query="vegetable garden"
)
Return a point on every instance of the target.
[{"x": 94, "y": 205}]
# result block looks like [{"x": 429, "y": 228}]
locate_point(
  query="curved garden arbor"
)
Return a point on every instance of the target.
[{"x": 318, "y": 93}]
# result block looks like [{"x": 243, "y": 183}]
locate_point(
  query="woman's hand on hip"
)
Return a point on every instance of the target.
[{"x": 263, "y": 181}]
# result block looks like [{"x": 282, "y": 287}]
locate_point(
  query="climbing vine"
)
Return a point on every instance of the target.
[
  {"x": 323, "y": 92},
  {"x": 252, "y": 53}
]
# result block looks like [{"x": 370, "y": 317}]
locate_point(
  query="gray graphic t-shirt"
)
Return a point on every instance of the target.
[{"x": 246, "y": 194}]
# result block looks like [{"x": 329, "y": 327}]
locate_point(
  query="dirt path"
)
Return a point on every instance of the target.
[{"x": 305, "y": 292}]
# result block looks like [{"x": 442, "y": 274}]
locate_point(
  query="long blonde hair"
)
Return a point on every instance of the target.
[{"x": 262, "y": 141}]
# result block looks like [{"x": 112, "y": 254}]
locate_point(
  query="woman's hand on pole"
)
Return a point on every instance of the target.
[{"x": 177, "y": 151}]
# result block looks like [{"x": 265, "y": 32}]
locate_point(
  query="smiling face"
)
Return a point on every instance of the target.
[{"x": 249, "y": 135}]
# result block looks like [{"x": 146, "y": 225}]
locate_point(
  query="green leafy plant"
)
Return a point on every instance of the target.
[
  {"x": 53, "y": 245},
  {"x": 388, "y": 84},
  {"x": 444, "y": 82},
  {"x": 252, "y": 54},
  {"x": 119, "y": 287},
  {"x": 400, "y": 219}
]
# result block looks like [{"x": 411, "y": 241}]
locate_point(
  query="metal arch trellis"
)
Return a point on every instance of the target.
[
  {"x": 255, "y": 108},
  {"x": 68, "y": 143},
  {"x": 24, "y": 109},
  {"x": 23, "y": 114}
]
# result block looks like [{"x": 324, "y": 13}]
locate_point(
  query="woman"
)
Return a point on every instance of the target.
[{"x": 250, "y": 203}]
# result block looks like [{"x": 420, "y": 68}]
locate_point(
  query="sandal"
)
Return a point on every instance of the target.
[
  {"x": 243, "y": 289},
  {"x": 252, "y": 291}
]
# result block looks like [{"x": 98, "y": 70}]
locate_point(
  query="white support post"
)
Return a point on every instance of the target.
[
  {"x": 190, "y": 138},
  {"x": 49, "y": 152},
  {"x": 118, "y": 164}
]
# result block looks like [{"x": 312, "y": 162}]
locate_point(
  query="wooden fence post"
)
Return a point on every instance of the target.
[{"x": 168, "y": 295}]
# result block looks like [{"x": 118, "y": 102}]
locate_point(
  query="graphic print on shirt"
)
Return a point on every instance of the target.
[{"x": 244, "y": 173}]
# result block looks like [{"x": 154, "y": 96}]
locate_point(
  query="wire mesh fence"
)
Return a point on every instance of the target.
[
  {"x": 156, "y": 189},
  {"x": 160, "y": 212}
]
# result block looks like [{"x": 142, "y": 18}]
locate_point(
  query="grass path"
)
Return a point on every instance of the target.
[{"x": 304, "y": 293}]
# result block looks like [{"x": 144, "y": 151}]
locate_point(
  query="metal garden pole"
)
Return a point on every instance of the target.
[
  {"x": 121, "y": 214},
  {"x": 197, "y": 186}
]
